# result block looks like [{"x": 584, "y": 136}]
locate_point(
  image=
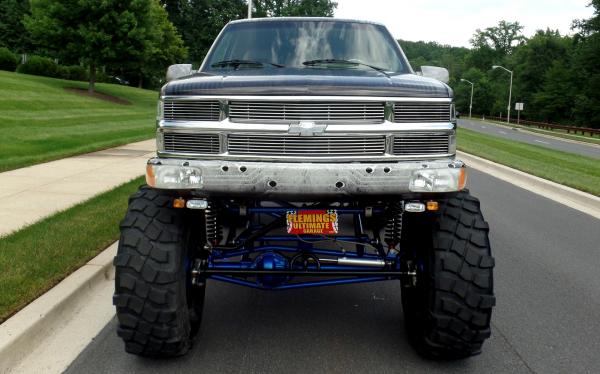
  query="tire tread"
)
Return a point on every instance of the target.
[
  {"x": 449, "y": 315},
  {"x": 463, "y": 288},
  {"x": 151, "y": 306}
]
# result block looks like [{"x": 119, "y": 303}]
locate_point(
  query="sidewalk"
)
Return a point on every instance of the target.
[{"x": 32, "y": 193}]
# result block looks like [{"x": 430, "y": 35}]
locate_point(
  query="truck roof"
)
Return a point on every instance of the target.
[{"x": 291, "y": 19}]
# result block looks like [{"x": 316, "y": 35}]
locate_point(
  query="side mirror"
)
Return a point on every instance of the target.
[
  {"x": 441, "y": 74},
  {"x": 178, "y": 71}
]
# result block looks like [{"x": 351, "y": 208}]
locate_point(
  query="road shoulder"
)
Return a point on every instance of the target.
[
  {"x": 525, "y": 130},
  {"x": 573, "y": 198}
]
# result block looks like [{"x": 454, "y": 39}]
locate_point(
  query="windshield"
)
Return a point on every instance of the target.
[{"x": 305, "y": 44}]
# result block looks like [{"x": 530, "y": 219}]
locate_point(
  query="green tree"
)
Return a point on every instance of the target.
[
  {"x": 431, "y": 53},
  {"x": 531, "y": 62},
  {"x": 204, "y": 21},
  {"x": 492, "y": 46},
  {"x": 483, "y": 97},
  {"x": 589, "y": 26},
  {"x": 177, "y": 11},
  {"x": 556, "y": 97},
  {"x": 482, "y": 58},
  {"x": 99, "y": 33},
  {"x": 294, "y": 8},
  {"x": 12, "y": 31},
  {"x": 164, "y": 47},
  {"x": 502, "y": 38},
  {"x": 585, "y": 64},
  {"x": 200, "y": 21}
]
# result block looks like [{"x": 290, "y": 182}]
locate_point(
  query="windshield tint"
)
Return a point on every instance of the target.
[{"x": 290, "y": 43}]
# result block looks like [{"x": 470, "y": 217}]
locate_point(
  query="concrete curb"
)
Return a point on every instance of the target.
[
  {"x": 21, "y": 334},
  {"x": 581, "y": 201}
]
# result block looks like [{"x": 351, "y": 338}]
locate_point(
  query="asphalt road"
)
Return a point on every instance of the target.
[
  {"x": 547, "y": 282},
  {"x": 579, "y": 148}
]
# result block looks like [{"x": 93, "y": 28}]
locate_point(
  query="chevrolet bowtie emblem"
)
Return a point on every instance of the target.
[{"x": 306, "y": 129}]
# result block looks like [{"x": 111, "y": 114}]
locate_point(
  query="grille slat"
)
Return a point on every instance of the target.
[
  {"x": 362, "y": 112},
  {"x": 191, "y": 143},
  {"x": 188, "y": 110},
  {"x": 290, "y": 145},
  {"x": 421, "y": 144},
  {"x": 409, "y": 144},
  {"x": 422, "y": 112}
]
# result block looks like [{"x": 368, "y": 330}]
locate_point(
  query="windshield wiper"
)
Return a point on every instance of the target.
[
  {"x": 344, "y": 62},
  {"x": 236, "y": 63}
]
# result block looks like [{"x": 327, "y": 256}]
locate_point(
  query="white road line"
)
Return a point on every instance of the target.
[
  {"x": 502, "y": 132},
  {"x": 541, "y": 141}
]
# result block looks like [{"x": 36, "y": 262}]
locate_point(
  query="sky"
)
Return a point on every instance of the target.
[{"x": 453, "y": 22}]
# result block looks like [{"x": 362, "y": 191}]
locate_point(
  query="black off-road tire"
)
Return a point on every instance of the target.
[
  {"x": 157, "y": 308},
  {"x": 448, "y": 311}
]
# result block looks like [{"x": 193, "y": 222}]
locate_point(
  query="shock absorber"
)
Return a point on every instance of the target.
[
  {"x": 393, "y": 226},
  {"x": 214, "y": 231}
]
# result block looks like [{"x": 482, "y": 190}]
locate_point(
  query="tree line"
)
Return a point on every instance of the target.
[
  {"x": 557, "y": 77},
  {"x": 134, "y": 39}
]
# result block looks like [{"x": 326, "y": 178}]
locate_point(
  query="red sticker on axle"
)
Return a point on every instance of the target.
[{"x": 319, "y": 222}]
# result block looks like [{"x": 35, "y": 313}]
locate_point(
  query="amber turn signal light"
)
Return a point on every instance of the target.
[
  {"x": 462, "y": 178},
  {"x": 150, "y": 177},
  {"x": 432, "y": 205},
  {"x": 179, "y": 203}
]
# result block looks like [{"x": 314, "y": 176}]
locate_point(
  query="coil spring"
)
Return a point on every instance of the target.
[
  {"x": 393, "y": 226},
  {"x": 213, "y": 228}
]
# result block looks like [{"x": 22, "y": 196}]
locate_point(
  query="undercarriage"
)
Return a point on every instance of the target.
[
  {"x": 175, "y": 243},
  {"x": 253, "y": 244}
]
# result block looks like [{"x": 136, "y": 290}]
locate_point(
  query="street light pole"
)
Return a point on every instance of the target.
[
  {"x": 470, "y": 102},
  {"x": 249, "y": 9},
  {"x": 509, "y": 90}
]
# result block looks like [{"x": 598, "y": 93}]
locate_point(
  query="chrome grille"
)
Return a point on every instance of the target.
[
  {"x": 191, "y": 110},
  {"x": 421, "y": 112},
  {"x": 309, "y": 146},
  {"x": 191, "y": 143},
  {"x": 317, "y": 111},
  {"x": 421, "y": 143}
]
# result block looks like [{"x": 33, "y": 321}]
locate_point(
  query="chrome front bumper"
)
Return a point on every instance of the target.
[{"x": 305, "y": 180}]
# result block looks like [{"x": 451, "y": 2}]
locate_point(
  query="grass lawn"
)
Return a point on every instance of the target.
[
  {"x": 556, "y": 133},
  {"x": 572, "y": 170},
  {"x": 39, "y": 256},
  {"x": 41, "y": 121}
]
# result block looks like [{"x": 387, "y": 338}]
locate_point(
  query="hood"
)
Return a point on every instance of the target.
[{"x": 308, "y": 82}]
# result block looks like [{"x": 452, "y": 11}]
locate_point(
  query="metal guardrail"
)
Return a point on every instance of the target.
[{"x": 551, "y": 126}]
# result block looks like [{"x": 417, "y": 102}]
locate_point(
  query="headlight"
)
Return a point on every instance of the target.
[
  {"x": 173, "y": 177},
  {"x": 438, "y": 180}
]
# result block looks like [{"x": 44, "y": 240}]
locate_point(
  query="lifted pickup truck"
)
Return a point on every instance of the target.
[{"x": 305, "y": 152}]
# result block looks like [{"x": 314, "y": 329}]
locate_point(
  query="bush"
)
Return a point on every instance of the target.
[
  {"x": 74, "y": 73},
  {"x": 37, "y": 65},
  {"x": 8, "y": 61},
  {"x": 62, "y": 72},
  {"x": 78, "y": 73},
  {"x": 102, "y": 77}
]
